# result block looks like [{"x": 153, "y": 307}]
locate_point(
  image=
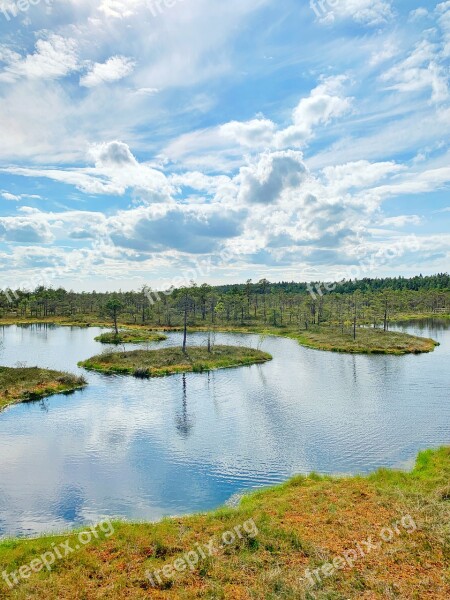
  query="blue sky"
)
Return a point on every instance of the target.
[{"x": 142, "y": 141}]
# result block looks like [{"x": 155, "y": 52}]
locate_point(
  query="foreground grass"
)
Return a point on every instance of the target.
[
  {"x": 25, "y": 384},
  {"x": 168, "y": 361},
  {"x": 130, "y": 336},
  {"x": 303, "y": 524}
]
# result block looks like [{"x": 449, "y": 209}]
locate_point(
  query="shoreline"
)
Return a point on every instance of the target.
[
  {"x": 423, "y": 345},
  {"x": 242, "y": 496},
  {"x": 298, "y": 527}
]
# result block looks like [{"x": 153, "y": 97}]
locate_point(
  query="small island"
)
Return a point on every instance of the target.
[
  {"x": 367, "y": 341},
  {"x": 130, "y": 336},
  {"x": 169, "y": 361},
  {"x": 32, "y": 383}
]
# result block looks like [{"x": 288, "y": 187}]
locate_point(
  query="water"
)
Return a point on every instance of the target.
[{"x": 144, "y": 449}]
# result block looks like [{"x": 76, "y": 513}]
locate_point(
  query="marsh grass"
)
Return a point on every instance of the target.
[
  {"x": 168, "y": 361},
  {"x": 332, "y": 339},
  {"x": 130, "y": 336},
  {"x": 32, "y": 383},
  {"x": 368, "y": 341}
]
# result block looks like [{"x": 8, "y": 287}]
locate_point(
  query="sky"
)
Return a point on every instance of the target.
[{"x": 161, "y": 141}]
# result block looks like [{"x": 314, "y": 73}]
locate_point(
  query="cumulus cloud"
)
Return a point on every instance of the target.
[
  {"x": 161, "y": 228},
  {"x": 112, "y": 154},
  {"x": 325, "y": 103},
  {"x": 24, "y": 230},
  {"x": 114, "y": 69},
  {"x": 115, "y": 161},
  {"x": 116, "y": 171},
  {"x": 54, "y": 57},
  {"x": 265, "y": 181},
  {"x": 253, "y": 134}
]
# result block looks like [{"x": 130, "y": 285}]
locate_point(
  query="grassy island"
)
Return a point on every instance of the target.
[
  {"x": 381, "y": 536},
  {"x": 31, "y": 383},
  {"x": 130, "y": 336},
  {"x": 332, "y": 339},
  {"x": 168, "y": 361},
  {"x": 368, "y": 341}
]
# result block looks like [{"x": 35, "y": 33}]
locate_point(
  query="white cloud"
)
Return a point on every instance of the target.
[
  {"x": 8, "y": 196},
  {"x": 112, "y": 154},
  {"x": 116, "y": 171},
  {"x": 416, "y": 182},
  {"x": 419, "y": 71},
  {"x": 195, "y": 230},
  {"x": 257, "y": 133},
  {"x": 54, "y": 57},
  {"x": 401, "y": 221},
  {"x": 265, "y": 181},
  {"x": 443, "y": 13},
  {"x": 24, "y": 230},
  {"x": 368, "y": 12},
  {"x": 114, "y": 69},
  {"x": 359, "y": 174},
  {"x": 388, "y": 51},
  {"x": 17, "y": 197},
  {"x": 200, "y": 181},
  {"x": 325, "y": 103},
  {"x": 120, "y": 9},
  {"x": 147, "y": 91},
  {"x": 418, "y": 13},
  {"x": 184, "y": 48}
]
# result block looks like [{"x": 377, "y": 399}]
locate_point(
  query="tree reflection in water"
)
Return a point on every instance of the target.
[{"x": 183, "y": 421}]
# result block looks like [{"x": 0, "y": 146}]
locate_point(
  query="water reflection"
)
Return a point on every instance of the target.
[{"x": 183, "y": 420}]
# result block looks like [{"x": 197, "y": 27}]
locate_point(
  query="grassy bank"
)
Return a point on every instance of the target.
[
  {"x": 25, "y": 384},
  {"x": 168, "y": 361},
  {"x": 130, "y": 336},
  {"x": 307, "y": 523},
  {"x": 418, "y": 316}
]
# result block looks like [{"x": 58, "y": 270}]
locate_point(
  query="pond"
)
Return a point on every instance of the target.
[{"x": 143, "y": 449}]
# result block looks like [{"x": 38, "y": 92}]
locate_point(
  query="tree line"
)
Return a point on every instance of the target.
[{"x": 372, "y": 301}]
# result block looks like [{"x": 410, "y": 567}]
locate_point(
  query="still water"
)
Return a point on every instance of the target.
[{"x": 144, "y": 449}]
